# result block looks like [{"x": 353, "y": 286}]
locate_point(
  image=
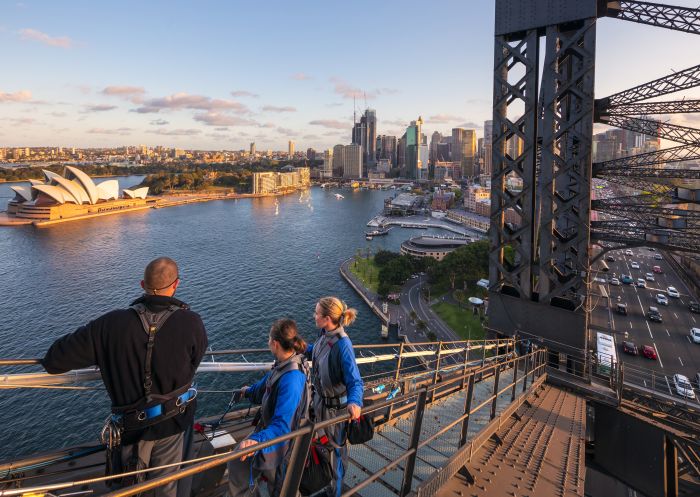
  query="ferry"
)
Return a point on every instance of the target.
[
  {"x": 339, "y": 196},
  {"x": 378, "y": 232}
]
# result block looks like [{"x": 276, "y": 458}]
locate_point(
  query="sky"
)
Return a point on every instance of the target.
[{"x": 217, "y": 75}]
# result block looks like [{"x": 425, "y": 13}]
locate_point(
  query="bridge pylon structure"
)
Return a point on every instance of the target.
[{"x": 544, "y": 240}]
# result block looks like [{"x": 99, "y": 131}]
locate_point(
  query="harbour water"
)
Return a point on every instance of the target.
[{"x": 243, "y": 263}]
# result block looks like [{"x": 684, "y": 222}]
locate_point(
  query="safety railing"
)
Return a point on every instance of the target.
[{"x": 527, "y": 370}]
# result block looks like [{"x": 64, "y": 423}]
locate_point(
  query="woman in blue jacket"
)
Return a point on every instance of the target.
[
  {"x": 283, "y": 395},
  {"x": 337, "y": 385}
]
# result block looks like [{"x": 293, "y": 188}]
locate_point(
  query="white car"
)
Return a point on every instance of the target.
[
  {"x": 657, "y": 257},
  {"x": 695, "y": 335},
  {"x": 628, "y": 252},
  {"x": 672, "y": 292},
  {"x": 661, "y": 299},
  {"x": 634, "y": 265},
  {"x": 649, "y": 277},
  {"x": 641, "y": 283},
  {"x": 615, "y": 282},
  {"x": 683, "y": 386}
]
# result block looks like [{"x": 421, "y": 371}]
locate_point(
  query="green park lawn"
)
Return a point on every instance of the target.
[
  {"x": 366, "y": 271},
  {"x": 461, "y": 320}
]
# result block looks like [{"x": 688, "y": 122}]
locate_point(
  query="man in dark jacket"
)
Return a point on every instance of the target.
[{"x": 147, "y": 355}]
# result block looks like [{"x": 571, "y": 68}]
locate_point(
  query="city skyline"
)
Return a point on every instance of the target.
[{"x": 197, "y": 77}]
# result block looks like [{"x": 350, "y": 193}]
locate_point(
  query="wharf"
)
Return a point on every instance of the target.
[{"x": 423, "y": 222}]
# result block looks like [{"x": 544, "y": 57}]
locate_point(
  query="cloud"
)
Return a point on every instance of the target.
[
  {"x": 444, "y": 118},
  {"x": 187, "y": 101},
  {"x": 159, "y": 122},
  {"x": 244, "y": 93},
  {"x": 346, "y": 90},
  {"x": 311, "y": 137},
  {"x": 218, "y": 119},
  {"x": 34, "y": 35},
  {"x": 176, "y": 132},
  {"x": 300, "y": 76},
  {"x": 334, "y": 133},
  {"x": 18, "y": 96},
  {"x": 23, "y": 120},
  {"x": 286, "y": 131},
  {"x": 335, "y": 104},
  {"x": 132, "y": 93},
  {"x": 104, "y": 131},
  {"x": 470, "y": 125},
  {"x": 330, "y": 123},
  {"x": 99, "y": 108},
  {"x": 266, "y": 125},
  {"x": 273, "y": 108},
  {"x": 218, "y": 136},
  {"x": 59, "y": 114},
  {"x": 396, "y": 122}
]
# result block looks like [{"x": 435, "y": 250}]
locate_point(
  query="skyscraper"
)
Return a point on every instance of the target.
[
  {"x": 464, "y": 149},
  {"x": 364, "y": 133},
  {"x": 415, "y": 155},
  {"x": 386, "y": 148},
  {"x": 488, "y": 148},
  {"x": 290, "y": 151},
  {"x": 349, "y": 158},
  {"x": 252, "y": 148},
  {"x": 327, "y": 168},
  {"x": 435, "y": 140}
]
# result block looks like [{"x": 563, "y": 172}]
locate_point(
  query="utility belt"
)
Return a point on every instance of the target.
[
  {"x": 130, "y": 418},
  {"x": 335, "y": 402}
]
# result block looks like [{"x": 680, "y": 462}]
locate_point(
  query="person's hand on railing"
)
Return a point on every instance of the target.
[
  {"x": 244, "y": 445},
  {"x": 354, "y": 411}
]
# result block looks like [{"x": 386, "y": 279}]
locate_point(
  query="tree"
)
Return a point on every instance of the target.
[
  {"x": 432, "y": 336},
  {"x": 421, "y": 325},
  {"x": 382, "y": 257},
  {"x": 413, "y": 315}
]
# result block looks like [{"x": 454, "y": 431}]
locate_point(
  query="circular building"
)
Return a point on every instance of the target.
[{"x": 432, "y": 246}]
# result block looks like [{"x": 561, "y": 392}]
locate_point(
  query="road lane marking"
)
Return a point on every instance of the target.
[
  {"x": 648, "y": 328},
  {"x": 693, "y": 318},
  {"x": 658, "y": 356},
  {"x": 630, "y": 324},
  {"x": 681, "y": 361},
  {"x": 668, "y": 385},
  {"x": 688, "y": 339},
  {"x": 676, "y": 315},
  {"x": 668, "y": 333},
  {"x": 640, "y": 305}
]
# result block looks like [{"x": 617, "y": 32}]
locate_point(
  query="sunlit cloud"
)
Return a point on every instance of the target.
[
  {"x": 244, "y": 93},
  {"x": 22, "y": 120},
  {"x": 444, "y": 118},
  {"x": 18, "y": 96},
  {"x": 159, "y": 122},
  {"x": 59, "y": 114},
  {"x": 470, "y": 125},
  {"x": 273, "y": 108},
  {"x": 218, "y": 119},
  {"x": 286, "y": 131},
  {"x": 330, "y": 123},
  {"x": 131, "y": 93},
  {"x": 187, "y": 101},
  {"x": 266, "y": 125},
  {"x": 218, "y": 136},
  {"x": 346, "y": 90},
  {"x": 176, "y": 132},
  {"x": 35, "y": 35},
  {"x": 300, "y": 76},
  {"x": 105, "y": 131}
]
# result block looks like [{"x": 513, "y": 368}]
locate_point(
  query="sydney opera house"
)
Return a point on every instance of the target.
[{"x": 71, "y": 195}]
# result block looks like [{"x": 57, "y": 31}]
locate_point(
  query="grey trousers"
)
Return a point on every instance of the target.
[
  {"x": 152, "y": 453},
  {"x": 239, "y": 480}
]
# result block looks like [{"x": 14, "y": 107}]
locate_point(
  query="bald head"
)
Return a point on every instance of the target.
[{"x": 161, "y": 275}]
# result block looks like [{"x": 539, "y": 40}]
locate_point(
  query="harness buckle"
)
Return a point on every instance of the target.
[{"x": 141, "y": 416}]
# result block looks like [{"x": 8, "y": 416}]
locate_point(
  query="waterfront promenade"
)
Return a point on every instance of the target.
[
  {"x": 417, "y": 221},
  {"x": 410, "y": 300}
]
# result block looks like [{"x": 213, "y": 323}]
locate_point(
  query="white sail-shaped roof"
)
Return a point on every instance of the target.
[
  {"x": 49, "y": 175},
  {"x": 36, "y": 182},
  {"x": 73, "y": 188},
  {"x": 108, "y": 190},
  {"x": 85, "y": 181},
  {"x": 55, "y": 192},
  {"x": 22, "y": 193},
  {"x": 138, "y": 193}
]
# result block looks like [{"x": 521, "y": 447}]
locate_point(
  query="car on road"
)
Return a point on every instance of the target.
[
  {"x": 649, "y": 277},
  {"x": 627, "y": 279},
  {"x": 609, "y": 258},
  {"x": 621, "y": 309},
  {"x": 628, "y": 252},
  {"x": 641, "y": 283},
  {"x": 695, "y": 335},
  {"x": 683, "y": 386},
  {"x": 658, "y": 257},
  {"x": 654, "y": 315},
  {"x": 598, "y": 279},
  {"x": 672, "y": 292},
  {"x": 614, "y": 282},
  {"x": 630, "y": 348},
  {"x": 661, "y": 299},
  {"x": 651, "y": 249},
  {"x": 657, "y": 269},
  {"x": 649, "y": 352},
  {"x": 634, "y": 265},
  {"x": 694, "y": 307}
]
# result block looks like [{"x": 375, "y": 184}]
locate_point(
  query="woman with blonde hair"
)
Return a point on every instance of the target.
[{"x": 337, "y": 385}]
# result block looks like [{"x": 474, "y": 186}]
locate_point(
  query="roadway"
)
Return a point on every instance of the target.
[{"x": 671, "y": 338}]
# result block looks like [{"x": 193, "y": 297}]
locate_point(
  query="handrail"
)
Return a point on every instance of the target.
[{"x": 302, "y": 437}]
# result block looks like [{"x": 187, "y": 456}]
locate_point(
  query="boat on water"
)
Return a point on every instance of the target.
[
  {"x": 339, "y": 196},
  {"x": 378, "y": 232}
]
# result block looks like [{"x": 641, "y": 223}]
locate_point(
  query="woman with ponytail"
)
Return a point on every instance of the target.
[
  {"x": 284, "y": 395},
  {"x": 337, "y": 385}
]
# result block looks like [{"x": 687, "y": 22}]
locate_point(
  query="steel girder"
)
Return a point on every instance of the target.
[
  {"x": 565, "y": 169},
  {"x": 514, "y": 56},
  {"x": 666, "y": 16},
  {"x": 673, "y": 132},
  {"x": 639, "y": 164},
  {"x": 649, "y": 108},
  {"x": 681, "y": 80},
  {"x": 628, "y": 232}
]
